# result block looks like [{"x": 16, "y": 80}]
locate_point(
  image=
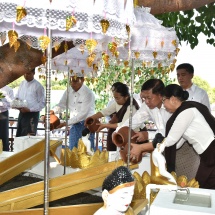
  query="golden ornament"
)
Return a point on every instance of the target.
[
  {"x": 16, "y": 45},
  {"x": 66, "y": 47},
  {"x": 169, "y": 55},
  {"x": 128, "y": 29},
  {"x": 174, "y": 61},
  {"x": 174, "y": 42},
  {"x": 20, "y": 13},
  {"x": 159, "y": 65},
  {"x": 91, "y": 45},
  {"x": 162, "y": 44},
  {"x": 12, "y": 36},
  {"x": 43, "y": 59},
  {"x": 182, "y": 181},
  {"x": 71, "y": 71},
  {"x": 44, "y": 42},
  {"x": 139, "y": 72},
  {"x": 65, "y": 62},
  {"x": 116, "y": 54},
  {"x": 152, "y": 71},
  {"x": 105, "y": 25},
  {"x": 105, "y": 57},
  {"x": 39, "y": 69},
  {"x": 126, "y": 63},
  {"x": 144, "y": 64},
  {"x": 70, "y": 22},
  {"x": 172, "y": 67},
  {"x": 112, "y": 47},
  {"x": 176, "y": 51},
  {"x": 124, "y": 71},
  {"x": 55, "y": 79},
  {"x": 137, "y": 54},
  {"x": 154, "y": 54},
  {"x": 56, "y": 45},
  {"x": 95, "y": 67},
  {"x": 90, "y": 61},
  {"x": 82, "y": 71}
]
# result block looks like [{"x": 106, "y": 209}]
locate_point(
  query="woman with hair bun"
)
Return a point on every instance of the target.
[
  {"x": 191, "y": 121},
  {"x": 119, "y": 109}
]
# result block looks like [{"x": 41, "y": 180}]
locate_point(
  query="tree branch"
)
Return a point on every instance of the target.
[
  {"x": 15, "y": 64},
  {"x": 165, "y": 6}
]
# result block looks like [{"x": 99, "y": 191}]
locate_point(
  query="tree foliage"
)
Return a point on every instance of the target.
[
  {"x": 189, "y": 24},
  {"x": 206, "y": 86},
  {"x": 102, "y": 85}
]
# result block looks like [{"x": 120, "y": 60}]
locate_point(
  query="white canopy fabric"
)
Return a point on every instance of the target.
[{"x": 88, "y": 13}]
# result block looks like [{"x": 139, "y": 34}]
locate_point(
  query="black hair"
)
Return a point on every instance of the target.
[
  {"x": 85, "y": 132},
  {"x": 188, "y": 67},
  {"x": 176, "y": 91},
  {"x": 156, "y": 85},
  {"x": 120, "y": 175},
  {"x": 121, "y": 88}
]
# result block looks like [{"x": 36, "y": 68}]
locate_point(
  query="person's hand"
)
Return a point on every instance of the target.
[
  {"x": 24, "y": 110},
  {"x": 136, "y": 151},
  {"x": 101, "y": 126},
  {"x": 141, "y": 136},
  {"x": 61, "y": 125}
]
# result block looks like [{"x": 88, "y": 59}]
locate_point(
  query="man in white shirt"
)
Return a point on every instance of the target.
[
  {"x": 81, "y": 104},
  {"x": 186, "y": 154},
  {"x": 151, "y": 109},
  {"x": 33, "y": 92},
  {"x": 185, "y": 73},
  {"x": 4, "y": 122}
]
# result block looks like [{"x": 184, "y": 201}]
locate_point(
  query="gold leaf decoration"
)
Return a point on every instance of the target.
[
  {"x": 20, "y": 13},
  {"x": 169, "y": 55},
  {"x": 162, "y": 44},
  {"x": 137, "y": 54},
  {"x": 177, "y": 51},
  {"x": 44, "y": 42},
  {"x": 70, "y": 22},
  {"x": 128, "y": 29},
  {"x": 154, "y": 54},
  {"x": 105, "y": 25},
  {"x": 16, "y": 45},
  {"x": 91, "y": 45},
  {"x": 66, "y": 47},
  {"x": 43, "y": 59},
  {"x": 12, "y": 36},
  {"x": 56, "y": 45},
  {"x": 112, "y": 47},
  {"x": 174, "y": 42}
]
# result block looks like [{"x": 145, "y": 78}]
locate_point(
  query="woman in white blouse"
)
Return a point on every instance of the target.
[
  {"x": 119, "y": 109},
  {"x": 193, "y": 122}
]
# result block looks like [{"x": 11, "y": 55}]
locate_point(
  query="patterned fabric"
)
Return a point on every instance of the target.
[
  {"x": 187, "y": 157},
  {"x": 75, "y": 134}
]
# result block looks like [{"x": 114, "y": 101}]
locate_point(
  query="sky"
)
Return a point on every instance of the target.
[{"x": 202, "y": 57}]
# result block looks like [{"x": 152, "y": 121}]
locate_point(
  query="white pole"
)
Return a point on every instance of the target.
[{"x": 47, "y": 125}]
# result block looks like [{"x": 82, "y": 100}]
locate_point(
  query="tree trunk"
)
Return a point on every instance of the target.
[
  {"x": 165, "y": 6},
  {"x": 15, "y": 64}
]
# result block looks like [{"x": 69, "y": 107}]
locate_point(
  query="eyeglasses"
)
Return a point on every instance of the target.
[{"x": 164, "y": 98}]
